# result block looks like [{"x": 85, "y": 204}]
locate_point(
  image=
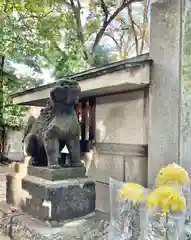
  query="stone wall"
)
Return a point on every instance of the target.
[{"x": 121, "y": 142}]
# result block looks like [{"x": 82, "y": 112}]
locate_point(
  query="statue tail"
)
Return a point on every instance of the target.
[
  {"x": 29, "y": 125},
  {"x": 32, "y": 146}
]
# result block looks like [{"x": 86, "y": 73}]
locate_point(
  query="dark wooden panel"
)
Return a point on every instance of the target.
[
  {"x": 83, "y": 123},
  {"x": 134, "y": 150},
  {"x": 92, "y": 119}
]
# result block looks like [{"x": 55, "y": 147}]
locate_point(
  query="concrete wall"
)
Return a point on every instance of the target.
[
  {"x": 120, "y": 118},
  {"x": 121, "y": 139},
  {"x": 14, "y": 138}
]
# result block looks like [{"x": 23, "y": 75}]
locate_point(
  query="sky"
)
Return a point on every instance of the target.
[{"x": 22, "y": 69}]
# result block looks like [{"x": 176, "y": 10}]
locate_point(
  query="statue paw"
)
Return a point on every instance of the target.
[
  {"x": 31, "y": 162},
  {"x": 54, "y": 166}
]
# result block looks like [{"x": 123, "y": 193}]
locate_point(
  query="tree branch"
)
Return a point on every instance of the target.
[
  {"x": 133, "y": 45},
  {"x": 66, "y": 2},
  {"x": 133, "y": 29},
  {"x": 146, "y": 7},
  {"x": 112, "y": 37},
  {"x": 105, "y": 10},
  {"x": 79, "y": 28},
  {"x": 79, "y": 4},
  {"x": 121, "y": 40},
  {"x": 5, "y": 6},
  {"x": 22, "y": 18},
  {"x": 100, "y": 34},
  {"x": 136, "y": 25}
]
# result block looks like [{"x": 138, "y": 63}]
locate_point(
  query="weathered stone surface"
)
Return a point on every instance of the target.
[
  {"x": 120, "y": 118},
  {"x": 23, "y": 227},
  {"x": 56, "y": 126},
  {"x": 65, "y": 199},
  {"x": 56, "y": 174},
  {"x": 15, "y": 195},
  {"x": 102, "y": 197},
  {"x": 34, "y": 207}
]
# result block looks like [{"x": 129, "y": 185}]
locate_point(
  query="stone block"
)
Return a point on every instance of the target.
[
  {"x": 58, "y": 200},
  {"x": 14, "y": 193},
  {"x": 34, "y": 207},
  {"x": 56, "y": 174},
  {"x": 120, "y": 118},
  {"x": 113, "y": 160},
  {"x": 9, "y": 189},
  {"x": 102, "y": 197},
  {"x": 106, "y": 165},
  {"x": 136, "y": 170}
]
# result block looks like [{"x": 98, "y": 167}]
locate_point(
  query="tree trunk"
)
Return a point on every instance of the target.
[
  {"x": 3, "y": 139},
  {"x": 2, "y": 127}
]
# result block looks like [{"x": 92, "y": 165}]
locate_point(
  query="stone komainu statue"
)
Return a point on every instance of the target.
[{"x": 56, "y": 126}]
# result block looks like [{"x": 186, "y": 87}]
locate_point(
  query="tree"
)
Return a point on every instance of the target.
[
  {"x": 41, "y": 26},
  {"x": 102, "y": 15},
  {"x": 11, "y": 116}
]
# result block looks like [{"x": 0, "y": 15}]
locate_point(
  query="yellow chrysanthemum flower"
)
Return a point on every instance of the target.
[
  {"x": 167, "y": 200},
  {"x": 132, "y": 192},
  {"x": 172, "y": 174}
]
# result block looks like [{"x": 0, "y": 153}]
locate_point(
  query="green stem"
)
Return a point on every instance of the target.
[{"x": 166, "y": 228}]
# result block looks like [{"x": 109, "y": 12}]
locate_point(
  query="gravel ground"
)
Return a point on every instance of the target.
[
  {"x": 4, "y": 237},
  {"x": 3, "y": 171}
]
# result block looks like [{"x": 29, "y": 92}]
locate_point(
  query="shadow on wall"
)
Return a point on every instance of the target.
[{"x": 108, "y": 126}]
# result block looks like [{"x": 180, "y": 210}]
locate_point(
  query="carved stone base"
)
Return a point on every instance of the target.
[{"x": 55, "y": 199}]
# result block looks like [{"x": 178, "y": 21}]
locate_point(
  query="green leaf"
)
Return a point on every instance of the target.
[{"x": 92, "y": 27}]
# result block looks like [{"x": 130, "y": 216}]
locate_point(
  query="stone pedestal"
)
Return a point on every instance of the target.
[
  {"x": 58, "y": 194},
  {"x": 15, "y": 195}
]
